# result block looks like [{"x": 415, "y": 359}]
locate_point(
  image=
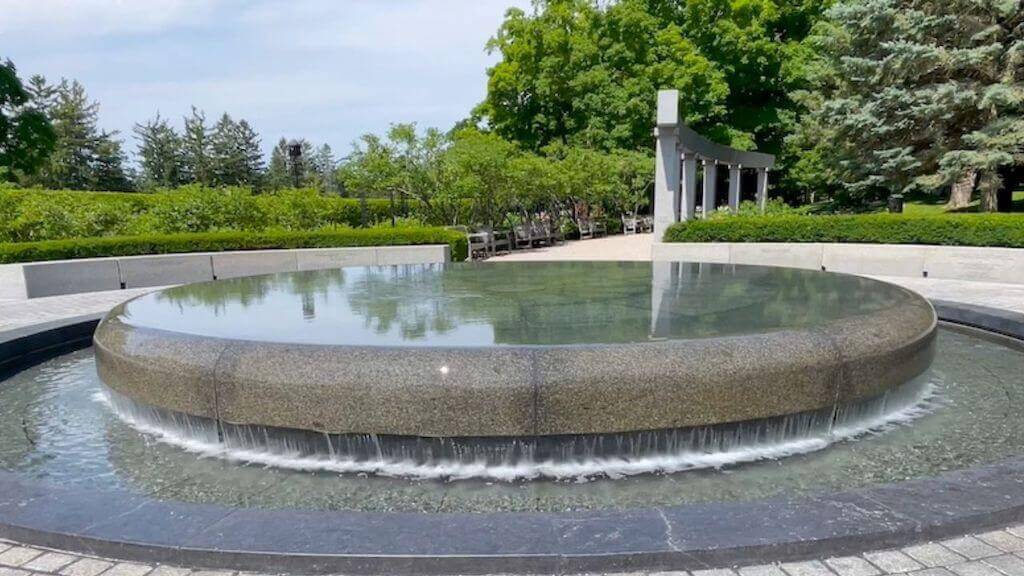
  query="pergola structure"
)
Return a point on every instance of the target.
[{"x": 679, "y": 149}]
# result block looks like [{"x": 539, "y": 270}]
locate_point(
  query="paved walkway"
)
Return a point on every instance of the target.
[{"x": 994, "y": 553}]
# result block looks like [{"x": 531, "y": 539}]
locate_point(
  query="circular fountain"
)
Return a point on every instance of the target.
[
  {"x": 535, "y": 369},
  {"x": 355, "y": 420}
]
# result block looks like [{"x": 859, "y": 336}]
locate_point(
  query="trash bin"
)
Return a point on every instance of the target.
[{"x": 896, "y": 204}]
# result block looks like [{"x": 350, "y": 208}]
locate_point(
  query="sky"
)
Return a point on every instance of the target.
[{"x": 325, "y": 70}]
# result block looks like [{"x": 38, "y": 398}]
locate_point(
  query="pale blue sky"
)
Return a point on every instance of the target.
[{"x": 327, "y": 70}]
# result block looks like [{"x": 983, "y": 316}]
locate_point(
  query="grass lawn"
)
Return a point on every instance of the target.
[{"x": 924, "y": 205}]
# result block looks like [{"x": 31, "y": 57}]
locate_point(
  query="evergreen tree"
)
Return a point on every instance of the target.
[
  {"x": 278, "y": 176},
  {"x": 227, "y": 158},
  {"x": 42, "y": 95},
  {"x": 159, "y": 153},
  {"x": 323, "y": 168},
  {"x": 919, "y": 94},
  {"x": 27, "y": 137},
  {"x": 249, "y": 144},
  {"x": 108, "y": 169},
  {"x": 74, "y": 119},
  {"x": 195, "y": 149}
]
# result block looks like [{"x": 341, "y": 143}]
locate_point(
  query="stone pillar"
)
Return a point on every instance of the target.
[
  {"x": 762, "y": 188},
  {"x": 734, "y": 188},
  {"x": 689, "y": 196},
  {"x": 710, "y": 186},
  {"x": 666, "y": 168}
]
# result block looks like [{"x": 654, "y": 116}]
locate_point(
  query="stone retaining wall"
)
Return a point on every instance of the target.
[
  {"x": 60, "y": 277},
  {"x": 1005, "y": 265}
]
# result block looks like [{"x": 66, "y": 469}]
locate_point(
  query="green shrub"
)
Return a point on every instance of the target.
[
  {"x": 33, "y": 215},
  {"x": 222, "y": 241},
  {"x": 940, "y": 229}
]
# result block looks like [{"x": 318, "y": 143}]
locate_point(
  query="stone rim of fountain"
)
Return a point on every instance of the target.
[
  {"x": 679, "y": 537},
  {"x": 519, "y": 390}
]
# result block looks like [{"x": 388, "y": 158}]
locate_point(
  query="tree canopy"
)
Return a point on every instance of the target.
[{"x": 26, "y": 136}]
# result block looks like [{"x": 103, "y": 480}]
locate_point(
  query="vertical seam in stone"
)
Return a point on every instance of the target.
[
  {"x": 841, "y": 377},
  {"x": 216, "y": 391},
  {"x": 535, "y": 387}
]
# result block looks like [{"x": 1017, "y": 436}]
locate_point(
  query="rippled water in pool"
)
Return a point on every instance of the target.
[{"x": 53, "y": 429}]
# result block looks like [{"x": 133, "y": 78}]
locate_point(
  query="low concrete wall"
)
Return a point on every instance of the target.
[
  {"x": 98, "y": 274},
  {"x": 1005, "y": 265}
]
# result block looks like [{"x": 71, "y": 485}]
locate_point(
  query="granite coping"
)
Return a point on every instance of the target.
[
  {"x": 528, "y": 390},
  {"x": 677, "y": 537}
]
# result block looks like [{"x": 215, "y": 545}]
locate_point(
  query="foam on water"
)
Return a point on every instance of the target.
[{"x": 578, "y": 458}]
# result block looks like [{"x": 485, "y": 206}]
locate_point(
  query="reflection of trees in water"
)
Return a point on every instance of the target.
[
  {"x": 216, "y": 296},
  {"x": 561, "y": 302}
]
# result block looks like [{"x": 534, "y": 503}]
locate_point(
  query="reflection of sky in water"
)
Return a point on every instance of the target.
[{"x": 513, "y": 303}]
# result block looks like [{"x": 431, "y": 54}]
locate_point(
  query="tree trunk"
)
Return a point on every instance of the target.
[
  {"x": 962, "y": 190},
  {"x": 989, "y": 184}
]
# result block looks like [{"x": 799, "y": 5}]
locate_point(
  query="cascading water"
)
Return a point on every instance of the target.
[{"x": 524, "y": 458}]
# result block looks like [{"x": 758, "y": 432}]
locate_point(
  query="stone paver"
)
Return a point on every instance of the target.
[
  {"x": 932, "y": 555},
  {"x": 716, "y": 572},
  {"x": 1007, "y": 564},
  {"x": 970, "y": 547},
  {"x": 49, "y": 562},
  {"x": 852, "y": 566},
  {"x": 893, "y": 561},
  {"x": 974, "y": 568},
  {"x": 128, "y": 569},
  {"x": 1003, "y": 540},
  {"x": 762, "y": 570},
  {"x": 810, "y": 568},
  {"x": 18, "y": 556},
  {"x": 86, "y": 567}
]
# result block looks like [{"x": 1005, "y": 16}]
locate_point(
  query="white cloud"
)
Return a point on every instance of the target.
[
  {"x": 322, "y": 69},
  {"x": 67, "y": 18}
]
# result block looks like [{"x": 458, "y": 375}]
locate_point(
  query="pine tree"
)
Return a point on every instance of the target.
[
  {"x": 227, "y": 158},
  {"x": 159, "y": 153},
  {"x": 27, "y": 137},
  {"x": 919, "y": 94},
  {"x": 108, "y": 170},
  {"x": 278, "y": 176},
  {"x": 249, "y": 143},
  {"x": 42, "y": 95},
  {"x": 323, "y": 167},
  {"x": 195, "y": 149}
]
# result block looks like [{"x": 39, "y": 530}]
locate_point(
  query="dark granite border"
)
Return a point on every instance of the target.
[{"x": 681, "y": 537}]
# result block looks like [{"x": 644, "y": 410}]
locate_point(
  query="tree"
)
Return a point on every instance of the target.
[
  {"x": 27, "y": 137},
  {"x": 228, "y": 164},
  {"x": 195, "y": 149},
  {"x": 583, "y": 73},
  {"x": 919, "y": 94},
  {"x": 159, "y": 152},
  {"x": 323, "y": 167},
  {"x": 278, "y": 176},
  {"x": 84, "y": 157},
  {"x": 249, "y": 143}
]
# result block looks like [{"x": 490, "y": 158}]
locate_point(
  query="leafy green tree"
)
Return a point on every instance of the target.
[
  {"x": 27, "y": 137},
  {"x": 918, "y": 94},
  {"x": 159, "y": 153},
  {"x": 583, "y": 73}
]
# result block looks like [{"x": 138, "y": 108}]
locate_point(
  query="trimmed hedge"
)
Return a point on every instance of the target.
[
  {"x": 33, "y": 215},
  {"x": 223, "y": 241},
  {"x": 943, "y": 229}
]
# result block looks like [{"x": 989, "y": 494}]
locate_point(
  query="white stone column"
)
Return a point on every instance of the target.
[
  {"x": 689, "y": 196},
  {"x": 734, "y": 188},
  {"x": 710, "y": 186},
  {"x": 666, "y": 168},
  {"x": 762, "y": 188}
]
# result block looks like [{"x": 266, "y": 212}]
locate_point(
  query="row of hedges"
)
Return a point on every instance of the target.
[
  {"x": 940, "y": 229},
  {"x": 223, "y": 241},
  {"x": 33, "y": 215}
]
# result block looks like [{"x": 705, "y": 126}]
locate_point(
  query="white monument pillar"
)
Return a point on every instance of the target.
[
  {"x": 689, "y": 186},
  {"x": 666, "y": 157},
  {"x": 710, "y": 186},
  {"x": 734, "y": 188},
  {"x": 762, "y": 188}
]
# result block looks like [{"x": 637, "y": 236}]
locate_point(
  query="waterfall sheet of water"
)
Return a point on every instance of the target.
[{"x": 511, "y": 459}]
